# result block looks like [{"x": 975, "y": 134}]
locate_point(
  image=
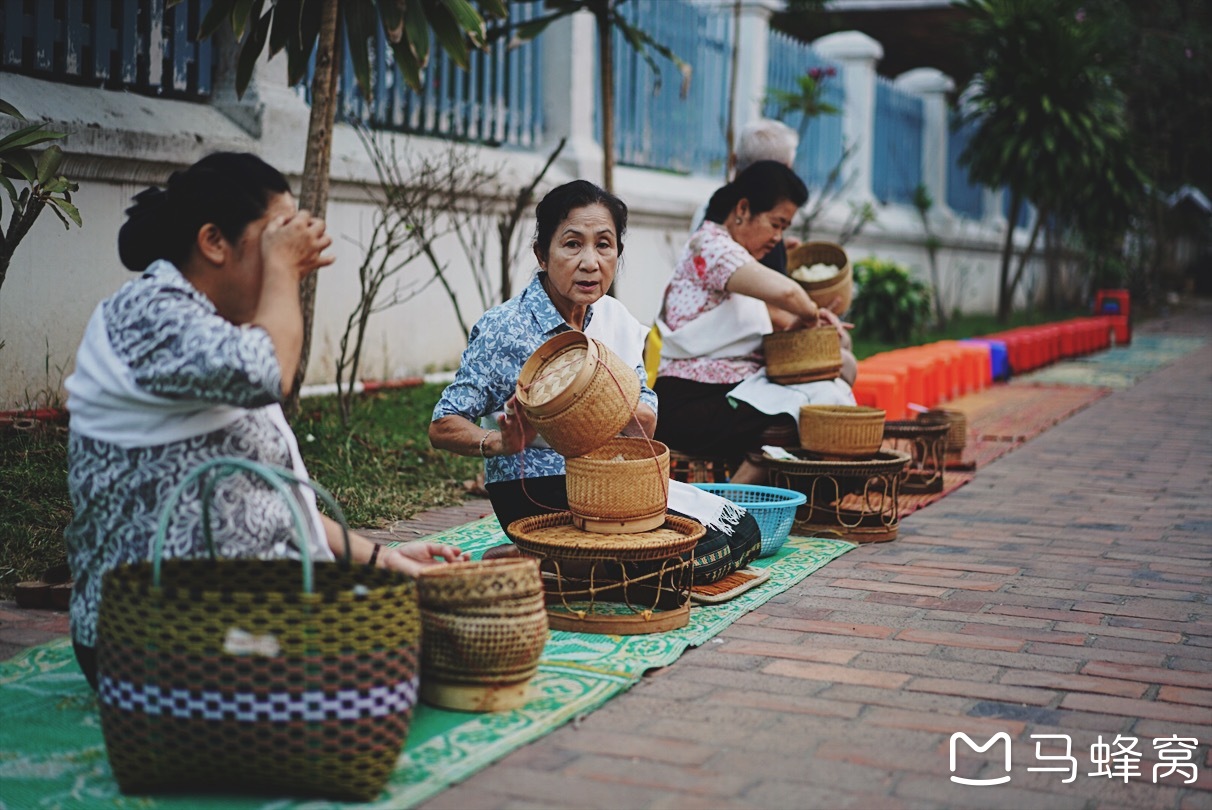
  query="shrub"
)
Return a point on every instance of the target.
[{"x": 889, "y": 304}]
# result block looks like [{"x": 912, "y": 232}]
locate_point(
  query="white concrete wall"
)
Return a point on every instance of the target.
[{"x": 119, "y": 143}]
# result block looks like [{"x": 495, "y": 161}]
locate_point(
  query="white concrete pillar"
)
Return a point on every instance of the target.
[
  {"x": 570, "y": 78},
  {"x": 932, "y": 86},
  {"x": 753, "y": 48},
  {"x": 858, "y": 54}
]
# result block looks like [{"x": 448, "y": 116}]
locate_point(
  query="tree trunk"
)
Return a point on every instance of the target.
[
  {"x": 1005, "y": 294},
  {"x": 313, "y": 196},
  {"x": 606, "y": 53}
]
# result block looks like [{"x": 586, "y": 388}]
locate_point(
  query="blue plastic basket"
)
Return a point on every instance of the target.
[{"x": 772, "y": 507}]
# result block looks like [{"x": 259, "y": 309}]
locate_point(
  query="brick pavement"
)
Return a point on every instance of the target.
[{"x": 1065, "y": 591}]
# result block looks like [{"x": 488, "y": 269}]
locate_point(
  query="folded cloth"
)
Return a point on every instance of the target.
[
  {"x": 771, "y": 398},
  {"x": 706, "y": 507}
]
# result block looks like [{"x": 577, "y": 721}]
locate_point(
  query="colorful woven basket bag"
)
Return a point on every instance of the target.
[{"x": 261, "y": 675}]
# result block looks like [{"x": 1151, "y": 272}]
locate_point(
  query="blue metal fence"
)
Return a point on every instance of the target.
[
  {"x": 896, "y": 169},
  {"x": 135, "y": 45},
  {"x": 656, "y": 126},
  {"x": 821, "y": 148},
  {"x": 963, "y": 196},
  {"x": 498, "y": 100}
]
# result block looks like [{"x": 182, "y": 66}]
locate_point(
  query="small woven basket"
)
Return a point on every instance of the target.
[
  {"x": 481, "y": 650},
  {"x": 841, "y": 431},
  {"x": 803, "y": 355},
  {"x": 621, "y": 487},
  {"x": 826, "y": 291},
  {"x": 957, "y": 435},
  {"x": 478, "y": 583},
  {"x": 258, "y": 675},
  {"x": 577, "y": 393}
]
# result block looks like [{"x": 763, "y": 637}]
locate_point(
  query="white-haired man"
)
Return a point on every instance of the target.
[{"x": 762, "y": 139}]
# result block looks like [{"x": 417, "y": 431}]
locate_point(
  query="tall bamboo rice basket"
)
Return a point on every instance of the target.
[
  {"x": 577, "y": 393},
  {"x": 621, "y": 487}
]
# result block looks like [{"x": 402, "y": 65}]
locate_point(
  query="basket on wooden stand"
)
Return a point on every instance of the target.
[
  {"x": 620, "y": 487},
  {"x": 841, "y": 431}
]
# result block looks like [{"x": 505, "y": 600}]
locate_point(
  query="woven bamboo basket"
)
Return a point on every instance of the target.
[
  {"x": 577, "y": 393},
  {"x": 621, "y": 487},
  {"x": 803, "y": 355},
  {"x": 478, "y": 583},
  {"x": 481, "y": 663},
  {"x": 957, "y": 435},
  {"x": 620, "y": 584},
  {"x": 841, "y": 431},
  {"x": 827, "y": 291}
]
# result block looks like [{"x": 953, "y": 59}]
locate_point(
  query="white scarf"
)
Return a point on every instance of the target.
[
  {"x": 106, "y": 404},
  {"x": 733, "y": 329},
  {"x": 773, "y": 398}
]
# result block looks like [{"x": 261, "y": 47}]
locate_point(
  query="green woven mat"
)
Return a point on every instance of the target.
[
  {"x": 52, "y": 754},
  {"x": 1117, "y": 368}
]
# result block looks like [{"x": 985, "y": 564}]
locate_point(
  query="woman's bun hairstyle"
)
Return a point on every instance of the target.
[
  {"x": 228, "y": 189},
  {"x": 764, "y": 184}
]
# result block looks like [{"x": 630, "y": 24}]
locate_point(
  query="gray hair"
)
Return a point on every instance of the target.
[{"x": 766, "y": 139}]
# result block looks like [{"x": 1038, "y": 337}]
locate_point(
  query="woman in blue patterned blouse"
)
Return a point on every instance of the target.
[
  {"x": 189, "y": 362},
  {"x": 578, "y": 242}
]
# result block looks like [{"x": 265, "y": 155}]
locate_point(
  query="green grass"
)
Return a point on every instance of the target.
[
  {"x": 33, "y": 491},
  {"x": 383, "y": 469}
]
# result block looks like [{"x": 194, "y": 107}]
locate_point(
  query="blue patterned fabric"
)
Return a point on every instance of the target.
[
  {"x": 173, "y": 343},
  {"x": 500, "y": 343}
]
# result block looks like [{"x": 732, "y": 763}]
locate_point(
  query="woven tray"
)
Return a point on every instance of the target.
[
  {"x": 882, "y": 462},
  {"x": 555, "y": 535}
]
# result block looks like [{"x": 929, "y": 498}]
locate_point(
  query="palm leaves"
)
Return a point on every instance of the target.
[{"x": 293, "y": 26}]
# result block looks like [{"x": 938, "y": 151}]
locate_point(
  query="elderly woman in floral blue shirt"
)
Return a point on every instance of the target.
[{"x": 578, "y": 243}]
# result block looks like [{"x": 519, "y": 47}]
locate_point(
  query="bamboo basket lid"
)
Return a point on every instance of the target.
[
  {"x": 557, "y": 375},
  {"x": 555, "y": 535}
]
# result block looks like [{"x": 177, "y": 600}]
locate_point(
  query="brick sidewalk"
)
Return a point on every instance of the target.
[{"x": 1064, "y": 591}]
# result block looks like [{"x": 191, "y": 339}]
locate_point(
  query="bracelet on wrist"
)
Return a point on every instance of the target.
[
  {"x": 483, "y": 439},
  {"x": 374, "y": 556}
]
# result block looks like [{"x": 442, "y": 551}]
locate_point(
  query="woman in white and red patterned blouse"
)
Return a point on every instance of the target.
[{"x": 717, "y": 306}]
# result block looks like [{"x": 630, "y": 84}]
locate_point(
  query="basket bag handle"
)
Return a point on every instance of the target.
[{"x": 277, "y": 478}]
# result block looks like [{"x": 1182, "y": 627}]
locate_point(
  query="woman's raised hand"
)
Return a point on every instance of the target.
[
  {"x": 516, "y": 430},
  {"x": 297, "y": 242},
  {"x": 413, "y": 558}
]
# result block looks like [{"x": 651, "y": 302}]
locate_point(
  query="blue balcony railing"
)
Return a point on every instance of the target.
[
  {"x": 821, "y": 147},
  {"x": 896, "y": 169},
  {"x": 498, "y": 100},
  {"x": 134, "y": 45}
]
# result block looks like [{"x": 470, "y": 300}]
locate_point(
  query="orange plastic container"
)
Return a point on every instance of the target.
[{"x": 885, "y": 391}]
